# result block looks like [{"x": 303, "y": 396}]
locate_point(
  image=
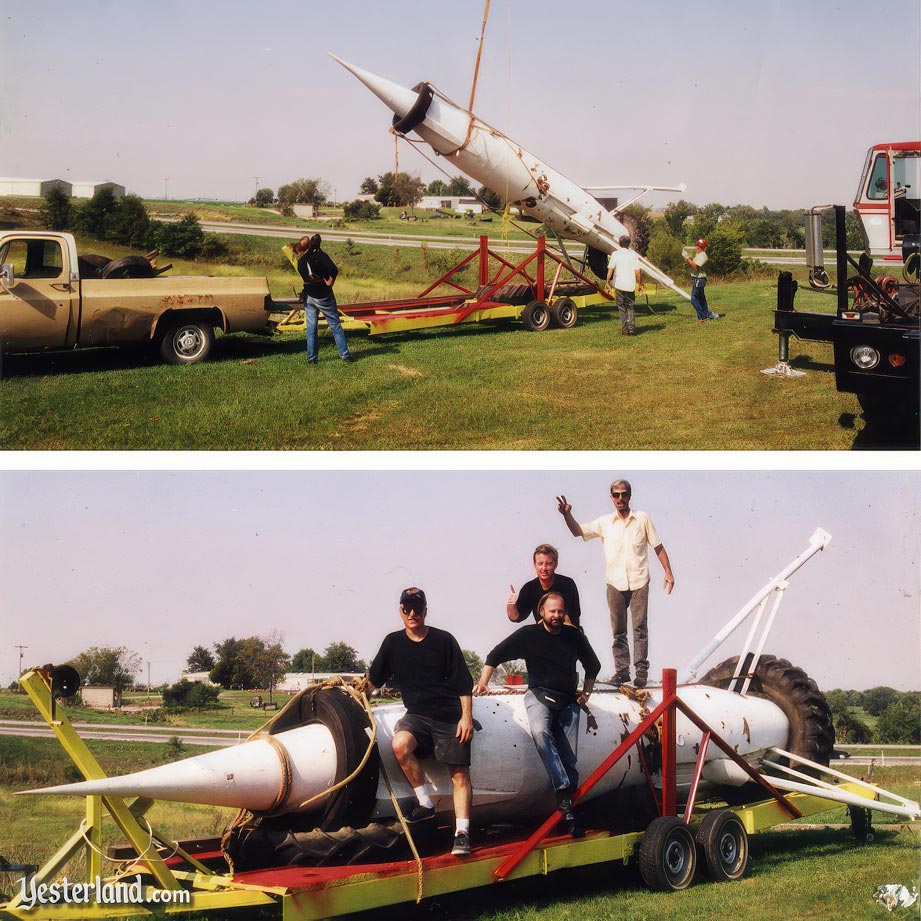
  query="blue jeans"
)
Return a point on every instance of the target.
[
  {"x": 554, "y": 735},
  {"x": 312, "y": 307},
  {"x": 699, "y": 298}
]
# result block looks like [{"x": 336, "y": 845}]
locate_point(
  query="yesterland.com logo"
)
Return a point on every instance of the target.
[{"x": 120, "y": 892}]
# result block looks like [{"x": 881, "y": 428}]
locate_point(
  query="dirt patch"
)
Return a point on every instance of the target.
[{"x": 404, "y": 371}]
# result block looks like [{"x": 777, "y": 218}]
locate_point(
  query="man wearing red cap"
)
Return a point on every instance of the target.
[{"x": 699, "y": 281}]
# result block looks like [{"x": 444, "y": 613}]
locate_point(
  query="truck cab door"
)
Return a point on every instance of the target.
[{"x": 39, "y": 309}]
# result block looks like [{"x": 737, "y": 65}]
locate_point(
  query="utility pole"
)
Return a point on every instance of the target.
[
  {"x": 148, "y": 681},
  {"x": 166, "y": 188},
  {"x": 257, "y": 178},
  {"x": 20, "y": 648}
]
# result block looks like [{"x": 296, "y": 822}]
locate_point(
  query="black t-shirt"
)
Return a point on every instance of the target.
[
  {"x": 531, "y": 593},
  {"x": 551, "y": 657},
  {"x": 431, "y": 674},
  {"x": 314, "y": 267}
]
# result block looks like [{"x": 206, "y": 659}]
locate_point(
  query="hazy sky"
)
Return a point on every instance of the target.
[
  {"x": 163, "y": 561},
  {"x": 766, "y": 103}
]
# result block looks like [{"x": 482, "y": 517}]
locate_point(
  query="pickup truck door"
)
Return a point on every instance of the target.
[{"x": 41, "y": 307}]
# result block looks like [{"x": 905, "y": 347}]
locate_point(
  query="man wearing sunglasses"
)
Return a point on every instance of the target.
[
  {"x": 429, "y": 668},
  {"x": 627, "y": 536}
]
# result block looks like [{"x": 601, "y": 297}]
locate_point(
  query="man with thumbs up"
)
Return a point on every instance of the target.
[{"x": 523, "y": 604}]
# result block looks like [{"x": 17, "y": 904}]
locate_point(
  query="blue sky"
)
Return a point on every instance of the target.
[
  {"x": 767, "y": 103},
  {"x": 163, "y": 561}
]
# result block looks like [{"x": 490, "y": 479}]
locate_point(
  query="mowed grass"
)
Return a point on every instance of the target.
[
  {"x": 676, "y": 385},
  {"x": 794, "y": 872}
]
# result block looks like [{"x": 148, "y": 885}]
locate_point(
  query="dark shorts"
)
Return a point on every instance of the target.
[{"x": 435, "y": 738}]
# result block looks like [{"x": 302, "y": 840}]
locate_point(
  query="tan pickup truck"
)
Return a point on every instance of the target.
[{"x": 45, "y": 303}]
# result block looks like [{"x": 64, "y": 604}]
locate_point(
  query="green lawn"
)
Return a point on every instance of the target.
[{"x": 813, "y": 872}]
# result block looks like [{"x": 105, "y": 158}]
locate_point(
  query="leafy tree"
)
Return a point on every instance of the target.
[
  {"x": 304, "y": 660},
  {"x": 900, "y": 722},
  {"x": 724, "y": 250},
  {"x": 437, "y": 187},
  {"x": 664, "y": 250},
  {"x": 848, "y": 726},
  {"x": 264, "y": 659},
  {"x": 108, "y": 666},
  {"x": 878, "y": 699},
  {"x": 459, "y": 185},
  {"x": 193, "y": 695},
  {"x": 474, "y": 662},
  {"x": 92, "y": 218},
  {"x": 57, "y": 212},
  {"x": 229, "y": 671},
  {"x": 200, "y": 660},
  {"x": 676, "y": 214},
  {"x": 128, "y": 222},
  {"x": 340, "y": 657},
  {"x": 304, "y": 191},
  {"x": 263, "y": 198},
  {"x": 182, "y": 238},
  {"x": 369, "y": 186},
  {"x": 397, "y": 190},
  {"x": 361, "y": 210}
]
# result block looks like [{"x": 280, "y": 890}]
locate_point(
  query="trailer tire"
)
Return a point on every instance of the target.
[
  {"x": 128, "y": 267},
  {"x": 722, "y": 845},
  {"x": 563, "y": 313},
  {"x": 186, "y": 341},
  {"x": 536, "y": 316},
  {"x": 668, "y": 855},
  {"x": 812, "y": 731}
]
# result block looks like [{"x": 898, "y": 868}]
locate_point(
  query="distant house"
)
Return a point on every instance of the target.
[
  {"x": 304, "y": 210},
  {"x": 101, "y": 698},
  {"x": 88, "y": 188},
  {"x": 197, "y": 677},
  {"x": 460, "y": 203},
  {"x": 33, "y": 187},
  {"x": 297, "y": 681}
]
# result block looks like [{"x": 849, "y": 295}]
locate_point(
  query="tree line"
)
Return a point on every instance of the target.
[
  {"x": 126, "y": 222},
  {"x": 898, "y": 716}
]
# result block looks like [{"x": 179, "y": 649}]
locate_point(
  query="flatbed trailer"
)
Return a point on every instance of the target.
[
  {"x": 504, "y": 291},
  {"x": 184, "y": 877}
]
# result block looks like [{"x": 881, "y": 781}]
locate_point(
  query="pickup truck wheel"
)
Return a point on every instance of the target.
[{"x": 187, "y": 341}]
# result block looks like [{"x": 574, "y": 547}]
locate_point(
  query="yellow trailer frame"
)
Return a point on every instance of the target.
[{"x": 304, "y": 894}]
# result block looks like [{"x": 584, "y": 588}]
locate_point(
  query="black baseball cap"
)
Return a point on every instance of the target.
[{"x": 413, "y": 598}]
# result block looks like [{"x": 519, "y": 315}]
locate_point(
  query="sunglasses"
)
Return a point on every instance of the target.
[
  {"x": 619, "y": 495},
  {"x": 412, "y": 607}
]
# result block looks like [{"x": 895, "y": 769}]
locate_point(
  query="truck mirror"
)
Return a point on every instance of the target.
[{"x": 7, "y": 275}]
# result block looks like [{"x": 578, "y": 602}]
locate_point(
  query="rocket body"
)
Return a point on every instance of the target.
[
  {"x": 500, "y": 164},
  {"x": 509, "y": 780}
]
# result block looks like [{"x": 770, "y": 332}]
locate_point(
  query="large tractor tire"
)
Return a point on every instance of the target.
[{"x": 812, "y": 732}]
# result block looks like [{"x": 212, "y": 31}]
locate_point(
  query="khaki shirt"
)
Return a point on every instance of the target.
[{"x": 626, "y": 545}]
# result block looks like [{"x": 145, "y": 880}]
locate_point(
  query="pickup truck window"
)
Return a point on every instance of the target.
[{"x": 34, "y": 258}]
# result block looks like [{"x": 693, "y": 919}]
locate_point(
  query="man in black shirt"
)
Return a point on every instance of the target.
[
  {"x": 522, "y": 604},
  {"x": 319, "y": 273},
  {"x": 550, "y": 650},
  {"x": 428, "y": 666}
]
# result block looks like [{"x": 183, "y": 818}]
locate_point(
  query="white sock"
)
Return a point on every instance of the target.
[
  {"x": 463, "y": 825},
  {"x": 422, "y": 794}
]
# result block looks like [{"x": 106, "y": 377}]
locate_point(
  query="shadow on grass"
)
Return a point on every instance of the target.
[
  {"x": 538, "y": 896},
  {"x": 808, "y": 363}
]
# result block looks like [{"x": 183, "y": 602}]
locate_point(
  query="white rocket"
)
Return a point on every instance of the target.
[
  {"x": 497, "y": 162},
  {"x": 509, "y": 781}
]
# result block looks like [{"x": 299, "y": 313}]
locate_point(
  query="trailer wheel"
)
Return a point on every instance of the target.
[
  {"x": 128, "y": 267},
  {"x": 668, "y": 855},
  {"x": 563, "y": 313},
  {"x": 723, "y": 845},
  {"x": 186, "y": 341},
  {"x": 536, "y": 316},
  {"x": 812, "y": 731}
]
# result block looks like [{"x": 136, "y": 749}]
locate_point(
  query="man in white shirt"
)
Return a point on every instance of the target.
[
  {"x": 698, "y": 265},
  {"x": 626, "y": 536},
  {"x": 624, "y": 268}
]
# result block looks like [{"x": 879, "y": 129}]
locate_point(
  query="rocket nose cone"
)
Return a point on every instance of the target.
[{"x": 397, "y": 98}]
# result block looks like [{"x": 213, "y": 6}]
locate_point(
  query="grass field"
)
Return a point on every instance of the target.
[
  {"x": 811, "y": 872},
  {"x": 676, "y": 385}
]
